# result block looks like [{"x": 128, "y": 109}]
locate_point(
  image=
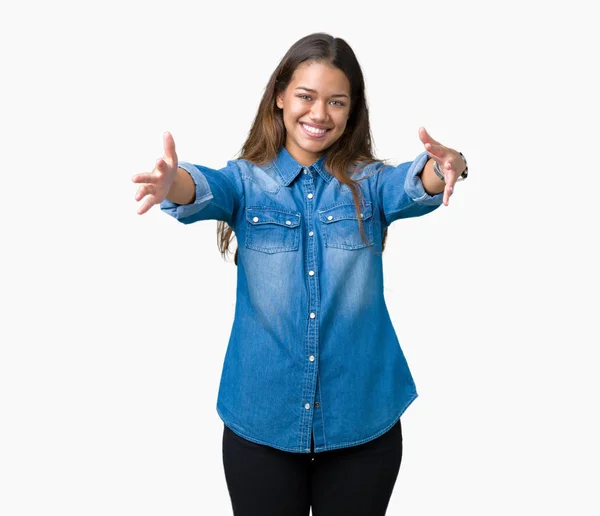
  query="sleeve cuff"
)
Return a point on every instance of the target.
[
  {"x": 203, "y": 195},
  {"x": 414, "y": 186}
]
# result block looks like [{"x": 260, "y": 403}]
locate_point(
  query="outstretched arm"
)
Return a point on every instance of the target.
[{"x": 190, "y": 192}]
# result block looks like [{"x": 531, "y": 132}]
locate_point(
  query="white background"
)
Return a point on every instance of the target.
[{"x": 114, "y": 326}]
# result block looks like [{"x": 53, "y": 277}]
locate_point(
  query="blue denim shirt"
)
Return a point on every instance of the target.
[{"x": 312, "y": 350}]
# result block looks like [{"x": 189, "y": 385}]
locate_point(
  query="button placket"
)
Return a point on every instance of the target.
[{"x": 313, "y": 293}]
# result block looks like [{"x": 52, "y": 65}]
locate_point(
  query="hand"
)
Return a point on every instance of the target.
[
  {"x": 156, "y": 185},
  {"x": 450, "y": 162}
]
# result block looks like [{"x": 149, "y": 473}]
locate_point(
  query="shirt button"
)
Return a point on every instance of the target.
[
  {"x": 330, "y": 217},
  {"x": 311, "y": 273},
  {"x": 255, "y": 219},
  {"x": 362, "y": 215},
  {"x": 305, "y": 171},
  {"x": 288, "y": 222},
  {"x": 310, "y": 196},
  {"x": 311, "y": 233},
  {"x": 312, "y": 315},
  {"x": 307, "y": 406},
  {"x": 317, "y": 404},
  {"x": 311, "y": 358}
]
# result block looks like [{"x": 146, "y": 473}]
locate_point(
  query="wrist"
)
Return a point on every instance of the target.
[
  {"x": 441, "y": 176},
  {"x": 431, "y": 182}
]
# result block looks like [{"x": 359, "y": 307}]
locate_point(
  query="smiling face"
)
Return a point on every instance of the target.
[{"x": 316, "y": 107}]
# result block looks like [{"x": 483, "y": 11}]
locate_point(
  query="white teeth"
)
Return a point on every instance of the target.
[{"x": 313, "y": 129}]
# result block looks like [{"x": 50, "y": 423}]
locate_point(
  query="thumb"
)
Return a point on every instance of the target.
[
  {"x": 425, "y": 137},
  {"x": 169, "y": 145}
]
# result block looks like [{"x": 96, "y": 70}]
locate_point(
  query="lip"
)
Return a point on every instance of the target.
[{"x": 311, "y": 135}]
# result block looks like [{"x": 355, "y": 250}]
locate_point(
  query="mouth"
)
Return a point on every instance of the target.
[{"x": 313, "y": 132}]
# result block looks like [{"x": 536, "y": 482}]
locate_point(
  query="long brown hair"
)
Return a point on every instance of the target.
[{"x": 352, "y": 151}]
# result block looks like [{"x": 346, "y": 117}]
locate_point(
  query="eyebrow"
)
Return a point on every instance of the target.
[{"x": 315, "y": 91}]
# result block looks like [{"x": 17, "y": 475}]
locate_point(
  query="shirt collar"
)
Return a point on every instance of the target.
[{"x": 289, "y": 168}]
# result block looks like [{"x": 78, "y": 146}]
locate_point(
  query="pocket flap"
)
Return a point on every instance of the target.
[
  {"x": 344, "y": 211},
  {"x": 262, "y": 215}
]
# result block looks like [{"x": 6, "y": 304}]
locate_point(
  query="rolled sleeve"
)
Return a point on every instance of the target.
[
  {"x": 401, "y": 192},
  {"x": 414, "y": 186}
]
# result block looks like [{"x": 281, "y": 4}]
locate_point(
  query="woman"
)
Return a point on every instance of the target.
[{"x": 314, "y": 380}]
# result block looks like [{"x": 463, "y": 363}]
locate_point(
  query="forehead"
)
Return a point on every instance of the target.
[{"x": 320, "y": 76}]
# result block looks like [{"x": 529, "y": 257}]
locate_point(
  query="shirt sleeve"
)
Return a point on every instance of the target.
[
  {"x": 219, "y": 194},
  {"x": 401, "y": 192}
]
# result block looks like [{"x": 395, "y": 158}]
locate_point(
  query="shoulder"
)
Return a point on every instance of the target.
[
  {"x": 265, "y": 176},
  {"x": 368, "y": 170}
]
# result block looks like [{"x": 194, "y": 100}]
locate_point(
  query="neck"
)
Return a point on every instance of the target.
[{"x": 304, "y": 158}]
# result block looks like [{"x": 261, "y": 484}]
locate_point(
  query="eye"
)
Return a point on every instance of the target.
[
  {"x": 304, "y": 96},
  {"x": 340, "y": 104}
]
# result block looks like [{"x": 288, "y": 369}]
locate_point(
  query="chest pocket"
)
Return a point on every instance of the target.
[
  {"x": 340, "y": 226},
  {"x": 271, "y": 230}
]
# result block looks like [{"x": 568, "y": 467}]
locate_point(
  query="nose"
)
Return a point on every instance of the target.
[{"x": 318, "y": 113}]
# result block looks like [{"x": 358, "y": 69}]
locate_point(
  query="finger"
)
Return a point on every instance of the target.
[
  {"x": 450, "y": 173},
  {"x": 447, "y": 193},
  {"x": 161, "y": 164},
  {"x": 144, "y": 178},
  {"x": 437, "y": 151},
  {"x": 425, "y": 137},
  {"x": 144, "y": 190},
  {"x": 146, "y": 206},
  {"x": 169, "y": 145},
  {"x": 450, "y": 176}
]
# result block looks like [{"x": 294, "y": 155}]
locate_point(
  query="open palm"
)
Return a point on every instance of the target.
[
  {"x": 449, "y": 161},
  {"x": 155, "y": 185}
]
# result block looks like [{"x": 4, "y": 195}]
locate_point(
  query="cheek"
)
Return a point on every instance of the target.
[
  {"x": 341, "y": 123},
  {"x": 289, "y": 119},
  {"x": 294, "y": 110}
]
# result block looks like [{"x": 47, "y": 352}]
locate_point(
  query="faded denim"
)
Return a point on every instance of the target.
[{"x": 312, "y": 349}]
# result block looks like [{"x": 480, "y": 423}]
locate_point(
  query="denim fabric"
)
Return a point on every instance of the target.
[{"x": 312, "y": 347}]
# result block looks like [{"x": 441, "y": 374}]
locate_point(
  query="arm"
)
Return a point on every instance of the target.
[
  {"x": 213, "y": 194},
  {"x": 402, "y": 193},
  {"x": 432, "y": 184},
  {"x": 183, "y": 189}
]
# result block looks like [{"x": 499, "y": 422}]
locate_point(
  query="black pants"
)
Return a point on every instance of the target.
[{"x": 265, "y": 481}]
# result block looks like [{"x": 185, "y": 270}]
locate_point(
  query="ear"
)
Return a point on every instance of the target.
[{"x": 280, "y": 100}]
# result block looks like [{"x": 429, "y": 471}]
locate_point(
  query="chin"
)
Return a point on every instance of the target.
[
  {"x": 316, "y": 144},
  {"x": 317, "y": 149}
]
